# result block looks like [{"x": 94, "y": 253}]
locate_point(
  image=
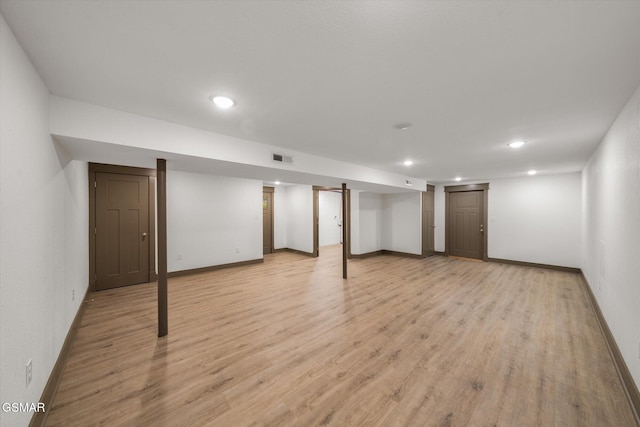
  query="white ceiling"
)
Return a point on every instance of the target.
[{"x": 331, "y": 78}]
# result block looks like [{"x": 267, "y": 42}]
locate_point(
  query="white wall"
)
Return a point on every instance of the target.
[
  {"x": 280, "y": 217},
  {"x": 355, "y": 222},
  {"x": 43, "y": 227},
  {"x": 531, "y": 219},
  {"x": 293, "y": 217},
  {"x": 300, "y": 218},
  {"x": 386, "y": 222},
  {"x": 536, "y": 219},
  {"x": 212, "y": 220},
  {"x": 611, "y": 230},
  {"x": 330, "y": 218},
  {"x": 401, "y": 222},
  {"x": 370, "y": 221}
]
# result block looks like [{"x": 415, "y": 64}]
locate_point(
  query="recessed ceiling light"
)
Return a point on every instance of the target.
[
  {"x": 532, "y": 172},
  {"x": 222, "y": 101},
  {"x": 402, "y": 126},
  {"x": 407, "y": 162},
  {"x": 516, "y": 144},
  {"x": 458, "y": 178},
  {"x": 277, "y": 182}
]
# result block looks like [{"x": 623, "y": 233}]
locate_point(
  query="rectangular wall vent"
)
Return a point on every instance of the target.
[{"x": 281, "y": 158}]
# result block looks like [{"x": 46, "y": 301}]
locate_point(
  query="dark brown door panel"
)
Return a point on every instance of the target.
[
  {"x": 267, "y": 221},
  {"x": 465, "y": 217},
  {"x": 122, "y": 230}
]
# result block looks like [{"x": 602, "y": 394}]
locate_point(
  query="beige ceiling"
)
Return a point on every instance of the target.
[{"x": 331, "y": 78}]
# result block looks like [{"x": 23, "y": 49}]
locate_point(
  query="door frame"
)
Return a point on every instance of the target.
[
  {"x": 346, "y": 222},
  {"x": 122, "y": 170},
  {"x": 429, "y": 193},
  {"x": 272, "y": 190},
  {"x": 485, "y": 214}
]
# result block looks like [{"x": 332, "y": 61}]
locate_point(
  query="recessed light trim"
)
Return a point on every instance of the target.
[
  {"x": 532, "y": 172},
  {"x": 277, "y": 182},
  {"x": 516, "y": 144},
  {"x": 458, "y": 179},
  {"x": 402, "y": 126},
  {"x": 222, "y": 102},
  {"x": 407, "y": 162}
]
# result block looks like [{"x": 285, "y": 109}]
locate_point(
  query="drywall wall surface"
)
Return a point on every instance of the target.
[
  {"x": 401, "y": 222},
  {"x": 212, "y": 220},
  {"x": 355, "y": 221},
  {"x": 531, "y": 219},
  {"x": 44, "y": 233},
  {"x": 438, "y": 218},
  {"x": 300, "y": 218},
  {"x": 107, "y": 127},
  {"x": 371, "y": 222},
  {"x": 611, "y": 230},
  {"x": 536, "y": 219},
  {"x": 280, "y": 217}
]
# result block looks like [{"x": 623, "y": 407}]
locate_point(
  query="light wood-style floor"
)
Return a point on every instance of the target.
[{"x": 403, "y": 342}]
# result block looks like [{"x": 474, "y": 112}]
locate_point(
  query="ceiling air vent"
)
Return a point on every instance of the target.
[{"x": 281, "y": 158}]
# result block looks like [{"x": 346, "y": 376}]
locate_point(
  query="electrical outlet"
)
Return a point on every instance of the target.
[
  {"x": 179, "y": 257},
  {"x": 29, "y": 371},
  {"x": 237, "y": 250}
]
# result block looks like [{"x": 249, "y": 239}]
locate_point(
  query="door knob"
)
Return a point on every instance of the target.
[{"x": 144, "y": 235}]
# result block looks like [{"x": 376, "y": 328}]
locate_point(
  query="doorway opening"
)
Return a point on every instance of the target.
[
  {"x": 267, "y": 220},
  {"x": 328, "y": 221},
  {"x": 428, "y": 222}
]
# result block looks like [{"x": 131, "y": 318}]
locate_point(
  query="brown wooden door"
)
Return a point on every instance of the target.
[
  {"x": 267, "y": 221},
  {"x": 466, "y": 224},
  {"x": 428, "y": 240},
  {"x": 122, "y": 221}
]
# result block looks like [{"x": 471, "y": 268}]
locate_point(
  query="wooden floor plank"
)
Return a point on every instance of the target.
[{"x": 433, "y": 342}]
